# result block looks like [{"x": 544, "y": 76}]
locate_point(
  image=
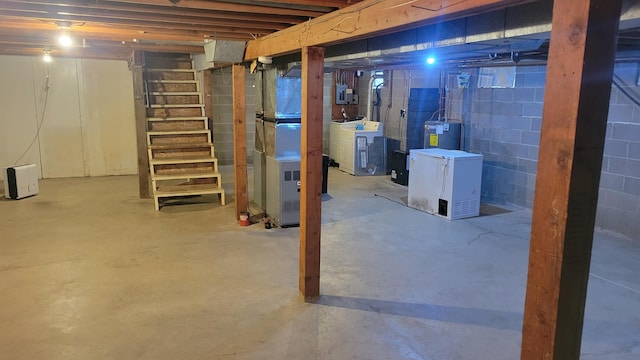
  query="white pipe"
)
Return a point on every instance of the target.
[{"x": 369, "y": 90}]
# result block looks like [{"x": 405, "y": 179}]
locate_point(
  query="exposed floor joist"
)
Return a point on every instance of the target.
[{"x": 30, "y": 27}]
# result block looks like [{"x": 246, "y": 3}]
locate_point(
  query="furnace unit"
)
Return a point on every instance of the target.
[
  {"x": 283, "y": 195},
  {"x": 277, "y": 152}
]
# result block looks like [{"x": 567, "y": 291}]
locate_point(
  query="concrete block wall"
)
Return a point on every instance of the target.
[
  {"x": 504, "y": 126},
  {"x": 619, "y": 196},
  {"x": 326, "y": 111},
  {"x": 222, "y": 101}
]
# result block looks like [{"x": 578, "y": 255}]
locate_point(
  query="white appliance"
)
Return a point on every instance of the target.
[
  {"x": 353, "y": 146},
  {"x": 20, "y": 181},
  {"x": 283, "y": 195},
  {"x": 445, "y": 182}
]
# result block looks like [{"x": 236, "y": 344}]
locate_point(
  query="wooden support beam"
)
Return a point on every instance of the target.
[
  {"x": 240, "y": 140},
  {"x": 576, "y": 104},
  {"x": 311, "y": 171},
  {"x": 366, "y": 19},
  {"x": 136, "y": 67}
]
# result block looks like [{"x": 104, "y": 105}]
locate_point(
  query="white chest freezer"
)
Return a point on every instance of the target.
[{"x": 445, "y": 182}]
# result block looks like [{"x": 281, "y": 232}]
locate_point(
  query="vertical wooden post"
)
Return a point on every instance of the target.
[
  {"x": 239, "y": 140},
  {"x": 136, "y": 66},
  {"x": 311, "y": 171},
  {"x": 576, "y": 103}
]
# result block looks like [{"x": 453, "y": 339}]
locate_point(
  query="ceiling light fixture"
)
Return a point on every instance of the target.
[
  {"x": 47, "y": 56},
  {"x": 65, "y": 40},
  {"x": 63, "y": 24}
]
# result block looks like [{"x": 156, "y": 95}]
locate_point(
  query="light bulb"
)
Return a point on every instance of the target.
[
  {"x": 65, "y": 40},
  {"x": 431, "y": 60},
  {"x": 46, "y": 57}
]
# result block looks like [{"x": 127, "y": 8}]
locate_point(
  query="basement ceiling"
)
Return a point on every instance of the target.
[{"x": 111, "y": 29}]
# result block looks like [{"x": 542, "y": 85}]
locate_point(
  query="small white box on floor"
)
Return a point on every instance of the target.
[
  {"x": 20, "y": 181},
  {"x": 445, "y": 182}
]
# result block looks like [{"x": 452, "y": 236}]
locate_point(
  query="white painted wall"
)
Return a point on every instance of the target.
[{"x": 88, "y": 127}]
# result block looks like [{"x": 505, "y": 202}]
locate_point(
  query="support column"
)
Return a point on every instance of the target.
[
  {"x": 239, "y": 140},
  {"x": 574, "y": 120},
  {"x": 136, "y": 66},
  {"x": 311, "y": 171}
]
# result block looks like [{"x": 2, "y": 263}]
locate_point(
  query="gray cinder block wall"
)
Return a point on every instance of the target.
[
  {"x": 504, "y": 126},
  {"x": 326, "y": 111},
  {"x": 222, "y": 100}
]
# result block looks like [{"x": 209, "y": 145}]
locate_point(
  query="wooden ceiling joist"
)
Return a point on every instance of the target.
[
  {"x": 367, "y": 19},
  {"x": 211, "y": 28},
  {"x": 92, "y": 31},
  {"x": 121, "y": 16},
  {"x": 227, "y": 6},
  {"x": 339, "y": 4},
  {"x": 91, "y": 7}
]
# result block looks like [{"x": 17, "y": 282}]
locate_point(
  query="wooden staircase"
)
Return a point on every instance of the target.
[{"x": 182, "y": 160}]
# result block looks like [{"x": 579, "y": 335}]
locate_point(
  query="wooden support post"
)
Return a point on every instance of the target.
[
  {"x": 136, "y": 67},
  {"x": 240, "y": 140},
  {"x": 311, "y": 171},
  {"x": 576, "y": 103}
]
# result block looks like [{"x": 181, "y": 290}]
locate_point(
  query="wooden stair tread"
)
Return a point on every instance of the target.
[
  {"x": 179, "y": 132},
  {"x": 190, "y": 160},
  {"x": 177, "y": 190},
  {"x": 175, "y": 106},
  {"x": 187, "y": 175},
  {"x": 175, "y": 93},
  {"x": 173, "y": 81},
  {"x": 177, "y": 146},
  {"x": 182, "y": 160},
  {"x": 177, "y": 118},
  {"x": 172, "y": 70}
]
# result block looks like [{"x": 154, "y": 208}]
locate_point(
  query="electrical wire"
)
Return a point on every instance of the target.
[
  {"x": 390, "y": 199},
  {"x": 41, "y": 122}
]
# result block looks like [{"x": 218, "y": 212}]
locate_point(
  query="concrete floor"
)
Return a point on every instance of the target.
[{"x": 89, "y": 271}]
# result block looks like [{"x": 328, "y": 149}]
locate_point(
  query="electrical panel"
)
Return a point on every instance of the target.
[{"x": 341, "y": 94}]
